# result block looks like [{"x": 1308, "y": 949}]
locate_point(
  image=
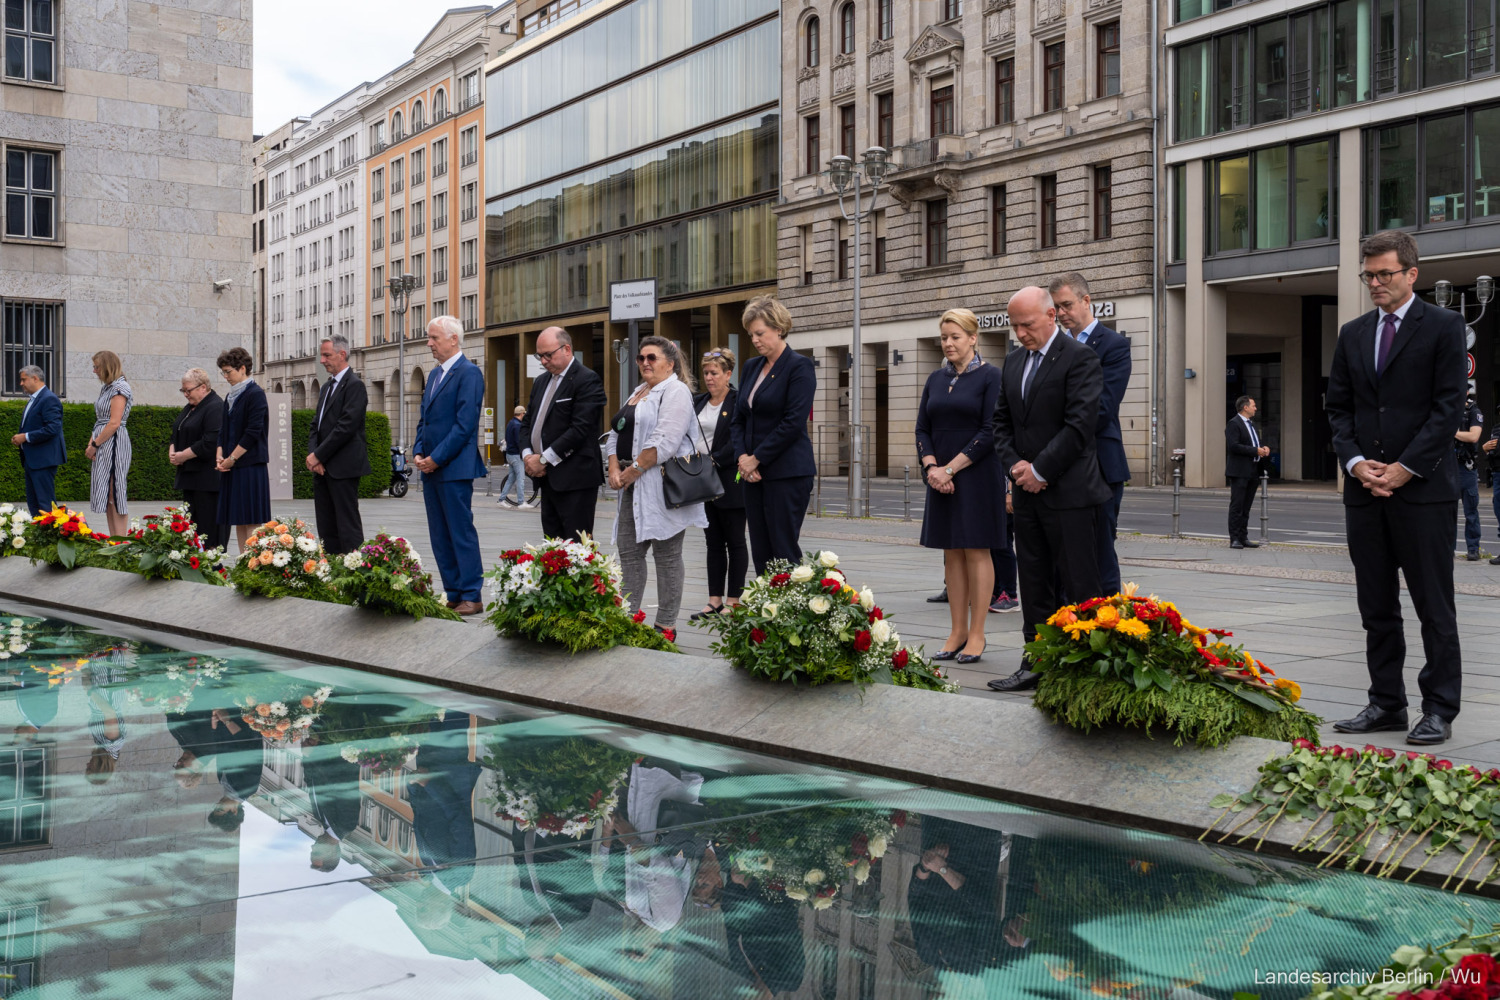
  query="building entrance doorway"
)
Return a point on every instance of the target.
[{"x": 1259, "y": 377}]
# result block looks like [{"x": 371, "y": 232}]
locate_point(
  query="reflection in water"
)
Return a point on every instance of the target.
[{"x": 351, "y": 833}]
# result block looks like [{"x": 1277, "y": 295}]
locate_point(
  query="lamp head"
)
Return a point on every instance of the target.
[
  {"x": 877, "y": 162},
  {"x": 1442, "y": 293},
  {"x": 1484, "y": 289},
  {"x": 841, "y": 172}
]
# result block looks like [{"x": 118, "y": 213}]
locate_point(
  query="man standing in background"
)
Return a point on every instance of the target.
[
  {"x": 1243, "y": 453},
  {"x": 40, "y": 440},
  {"x": 1466, "y": 450}
]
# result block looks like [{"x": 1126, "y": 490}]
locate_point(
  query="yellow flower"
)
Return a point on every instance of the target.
[
  {"x": 1291, "y": 689},
  {"x": 1079, "y": 629},
  {"x": 1106, "y": 616},
  {"x": 1134, "y": 628}
]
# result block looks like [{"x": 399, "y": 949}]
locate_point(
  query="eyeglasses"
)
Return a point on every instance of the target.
[
  {"x": 647, "y": 359},
  {"x": 189, "y": 390},
  {"x": 713, "y": 354},
  {"x": 545, "y": 356},
  {"x": 226, "y": 372},
  {"x": 1380, "y": 277}
]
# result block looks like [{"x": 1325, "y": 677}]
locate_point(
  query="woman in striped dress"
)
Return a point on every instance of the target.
[{"x": 109, "y": 444}]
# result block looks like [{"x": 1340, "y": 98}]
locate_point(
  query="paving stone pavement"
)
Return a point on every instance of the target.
[{"x": 1293, "y": 606}]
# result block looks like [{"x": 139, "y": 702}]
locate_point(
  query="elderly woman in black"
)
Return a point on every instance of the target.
[
  {"x": 725, "y": 535},
  {"x": 193, "y": 450}
]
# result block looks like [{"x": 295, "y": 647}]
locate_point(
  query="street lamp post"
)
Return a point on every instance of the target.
[
  {"x": 401, "y": 286},
  {"x": 1484, "y": 291},
  {"x": 845, "y": 175}
]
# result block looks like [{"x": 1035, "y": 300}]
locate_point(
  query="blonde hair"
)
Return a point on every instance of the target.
[
  {"x": 769, "y": 310},
  {"x": 109, "y": 366},
  {"x": 722, "y": 356},
  {"x": 964, "y": 319}
]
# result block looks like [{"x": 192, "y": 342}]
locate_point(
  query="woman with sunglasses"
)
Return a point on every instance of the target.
[
  {"x": 656, "y": 424},
  {"x": 775, "y": 455},
  {"x": 728, "y": 555}
]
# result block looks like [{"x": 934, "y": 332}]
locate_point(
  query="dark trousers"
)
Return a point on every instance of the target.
[
  {"x": 774, "y": 509},
  {"x": 455, "y": 543},
  {"x": 203, "y": 507},
  {"x": 1241, "y": 497},
  {"x": 1105, "y": 527},
  {"x": 727, "y": 555},
  {"x": 566, "y": 513},
  {"x": 1004, "y": 561},
  {"x": 336, "y": 506},
  {"x": 1055, "y": 559},
  {"x": 1388, "y": 539},
  {"x": 1495, "y": 497},
  {"x": 1468, "y": 488},
  {"x": 41, "y": 489}
]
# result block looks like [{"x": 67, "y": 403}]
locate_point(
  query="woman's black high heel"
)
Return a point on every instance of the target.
[
  {"x": 945, "y": 654},
  {"x": 967, "y": 658}
]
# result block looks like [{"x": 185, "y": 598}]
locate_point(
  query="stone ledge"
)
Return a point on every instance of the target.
[{"x": 997, "y": 750}]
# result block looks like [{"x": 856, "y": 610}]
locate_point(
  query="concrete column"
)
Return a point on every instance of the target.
[
  {"x": 1204, "y": 336},
  {"x": 1353, "y": 300}
]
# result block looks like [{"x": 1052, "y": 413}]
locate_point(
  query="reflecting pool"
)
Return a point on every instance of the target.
[{"x": 211, "y": 822}]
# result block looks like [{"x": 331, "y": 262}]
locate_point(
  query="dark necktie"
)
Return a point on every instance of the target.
[
  {"x": 1254, "y": 438},
  {"x": 1033, "y": 362},
  {"x": 1387, "y": 337}
]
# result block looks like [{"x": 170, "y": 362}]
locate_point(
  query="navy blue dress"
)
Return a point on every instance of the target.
[
  {"x": 245, "y": 490},
  {"x": 962, "y": 421}
]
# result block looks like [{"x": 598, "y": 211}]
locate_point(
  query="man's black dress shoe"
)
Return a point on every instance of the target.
[
  {"x": 1021, "y": 680},
  {"x": 1248, "y": 544},
  {"x": 1236, "y": 544},
  {"x": 939, "y": 598},
  {"x": 1429, "y": 731},
  {"x": 1372, "y": 720}
]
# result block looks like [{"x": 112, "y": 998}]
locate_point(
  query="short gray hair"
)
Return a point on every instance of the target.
[
  {"x": 448, "y": 326},
  {"x": 34, "y": 372},
  {"x": 197, "y": 376},
  {"x": 1077, "y": 282},
  {"x": 340, "y": 343}
]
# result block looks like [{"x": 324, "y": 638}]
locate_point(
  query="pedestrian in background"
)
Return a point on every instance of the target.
[
  {"x": 728, "y": 555},
  {"x": 514, "y": 463},
  {"x": 773, "y": 453},
  {"x": 337, "y": 454},
  {"x": 956, "y": 450},
  {"x": 559, "y": 436},
  {"x": 41, "y": 441},
  {"x": 656, "y": 424},
  {"x": 243, "y": 454},
  {"x": 1466, "y": 450},
  {"x": 195, "y": 441},
  {"x": 1492, "y": 451},
  {"x": 1243, "y": 453},
  {"x": 109, "y": 443}
]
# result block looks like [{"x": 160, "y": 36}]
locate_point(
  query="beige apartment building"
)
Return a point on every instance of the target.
[
  {"x": 1021, "y": 139},
  {"x": 125, "y": 132}
]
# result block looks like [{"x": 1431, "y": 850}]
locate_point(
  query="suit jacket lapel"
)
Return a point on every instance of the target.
[
  {"x": 1049, "y": 362},
  {"x": 1404, "y": 332}
]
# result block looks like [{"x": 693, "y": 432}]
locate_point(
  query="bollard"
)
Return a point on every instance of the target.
[
  {"x": 1265, "y": 504},
  {"x": 906, "y": 493},
  {"x": 1176, "y": 500}
]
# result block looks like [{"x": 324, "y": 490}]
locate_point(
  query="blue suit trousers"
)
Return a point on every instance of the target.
[
  {"x": 41, "y": 489},
  {"x": 455, "y": 542}
]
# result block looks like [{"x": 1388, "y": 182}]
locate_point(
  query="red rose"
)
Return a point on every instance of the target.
[
  {"x": 860, "y": 846},
  {"x": 670, "y": 634},
  {"x": 1478, "y": 969},
  {"x": 831, "y": 585},
  {"x": 757, "y": 636},
  {"x": 1444, "y": 765},
  {"x": 898, "y": 818},
  {"x": 1302, "y": 744},
  {"x": 638, "y": 617},
  {"x": 899, "y": 659},
  {"x": 876, "y": 615},
  {"x": 862, "y": 641},
  {"x": 781, "y": 579}
]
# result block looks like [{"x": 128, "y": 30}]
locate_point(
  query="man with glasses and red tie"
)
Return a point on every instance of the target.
[
  {"x": 1394, "y": 393},
  {"x": 558, "y": 436}
]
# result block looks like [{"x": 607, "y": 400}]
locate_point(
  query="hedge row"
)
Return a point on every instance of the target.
[{"x": 151, "y": 475}]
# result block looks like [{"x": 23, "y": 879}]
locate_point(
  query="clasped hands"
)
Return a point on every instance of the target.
[
  {"x": 628, "y": 476},
  {"x": 749, "y": 468},
  {"x": 425, "y": 465},
  {"x": 535, "y": 467},
  {"x": 1023, "y": 476},
  {"x": 1381, "y": 478},
  {"x": 939, "y": 479},
  {"x": 314, "y": 466}
]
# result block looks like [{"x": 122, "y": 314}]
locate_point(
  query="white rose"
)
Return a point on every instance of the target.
[
  {"x": 18, "y": 542},
  {"x": 350, "y": 753},
  {"x": 834, "y": 574},
  {"x": 281, "y": 558},
  {"x": 18, "y": 647},
  {"x": 352, "y": 560},
  {"x": 880, "y": 631},
  {"x": 878, "y": 845},
  {"x": 814, "y": 877},
  {"x": 819, "y": 605},
  {"x": 769, "y": 611},
  {"x": 867, "y": 598},
  {"x": 823, "y": 903},
  {"x": 861, "y": 873},
  {"x": 827, "y": 560},
  {"x": 4, "y": 655},
  {"x": 177, "y": 556},
  {"x": 798, "y": 893},
  {"x": 802, "y": 574}
]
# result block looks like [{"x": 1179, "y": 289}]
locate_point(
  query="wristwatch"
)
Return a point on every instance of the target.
[
  {"x": 636, "y": 466},
  {"x": 948, "y": 472}
]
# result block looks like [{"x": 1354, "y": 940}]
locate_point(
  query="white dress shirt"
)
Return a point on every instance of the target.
[
  {"x": 549, "y": 457},
  {"x": 27, "y": 409},
  {"x": 1042, "y": 357}
]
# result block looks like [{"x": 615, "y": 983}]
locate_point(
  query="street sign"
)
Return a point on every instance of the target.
[
  {"x": 488, "y": 419},
  {"x": 632, "y": 300}
]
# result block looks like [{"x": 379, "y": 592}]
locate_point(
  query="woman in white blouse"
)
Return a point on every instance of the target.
[{"x": 655, "y": 425}]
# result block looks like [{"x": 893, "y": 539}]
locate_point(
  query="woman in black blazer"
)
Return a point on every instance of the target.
[
  {"x": 195, "y": 439},
  {"x": 775, "y": 455},
  {"x": 725, "y": 535},
  {"x": 245, "y": 489}
]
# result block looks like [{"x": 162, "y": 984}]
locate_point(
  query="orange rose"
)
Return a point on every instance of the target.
[
  {"x": 283, "y": 725},
  {"x": 1107, "y": 616},
  {"x": 307, "y": 701},
  {"x": 285, "y": 539},
  {"x": 309, "y": 566},
  {"x": 280, "y": 528},
  {"x": 262, "y": 709},
  {"x": 265, "y": 558}
]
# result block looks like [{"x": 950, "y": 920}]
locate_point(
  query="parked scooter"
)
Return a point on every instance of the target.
[{"x": 400, "y": 472}]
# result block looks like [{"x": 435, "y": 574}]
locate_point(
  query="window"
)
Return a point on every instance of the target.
[
  {"x": 1005, "y": 90},
  {"x": 30, "y": 193},
  {"x": 1107, "y": 72},
  {"x": 997, "y": 220},
  {"x": 33, "y": 336},
  {"x": 470, "y": 306},
  {"x": 1193, "y": 91},
  {"x": 418, "y": 118},
  {"x": 468, "y": 89},
  {"x": 31, "y": 41},
  {"x": 439, "y": 306},
  {"x": 1054, "y": 76},
  {"x": 469, "y": 195},
  {"x": 941, "y": 121},
  {"x": 398, "y": 175},
  {"x": 811, "y": 31},
  {"x": 1177, "y": 180},
  {"x": 440, "y": 157},
  {"x": 440, "y": 105},
  {"x": 846, "y": 131},
  {"x": 952, "y": 9},
  {"x": 1485, "y": 175},
  {"x": 468, "y": 145},
  {"x": 439, "y": 269},
  {"x": 813, "y": 158},
  {"x": 418, "y": 166},
  {"x": 398, "y": 131},
  {"x": 937, "y": 232},
  {"x": 885, "y": 121},
  {"x": 804, "y": 242},
  {"x": 439, "y": 208},
  {"x": 377, "y": 328},
  {"x": 1103, "y": 200},
  {"x": 377, "y": 282},
  {"x": 879, "y": 262},
  {"x": 887, "y": 13},
  {"x": 377, "y": 232},
  {"x": 468, "y": 252},
  {"x": 398, "y": 225},
  {"x": 1049, "y": 211},
  {"x": 843, "y": 250},
  {"x": 418, "y": 218},
  {"x": 377, "y": 137},
  {"x": 419, "y": 268},
  {"x": 846, "y": 29},
  {"x": 1271, "y": 198},
  {"x": 377, "y": 185}
]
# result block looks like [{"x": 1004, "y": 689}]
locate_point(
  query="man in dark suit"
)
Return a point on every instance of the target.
[
  {"x": 1075, "y": 311},
  {"x": 446, "y": 451},
  {"x": 1243, "y": 452},
  {"x": 195, "y": 440},
  {"x": 40, "y": 440},
  {"x": 336, "y": 451},
  {"x": 1044, "y": 435},
  {"x": 559, "y": 435},
  {"x": 1394, "y": 392}
]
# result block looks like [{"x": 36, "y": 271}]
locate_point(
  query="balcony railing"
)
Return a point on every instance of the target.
[
  {"x": 379, "y": 195},
  {"x": 378, "y": 291},
  {"x": 398, "y": 236},
  {"x": 439, "y": 168},
  {"x": 378, "y": 243},
  {"x": 469, "y": 270},
  {"x": 397, "y": 186},
  {"x": 441, "y": 222},
  {"x": 380, "y": 146},
  {"x": 439, "y": 277},
  {"x": 418, "y": 178},
  {"x": 470, "y": 158},
  {"x": 470, "y": 214},
  {"x": 469, "y": 101},
  {"x": 417, "y": 229}
]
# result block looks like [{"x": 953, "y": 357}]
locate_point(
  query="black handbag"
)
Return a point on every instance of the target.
[{"x": 690, "y": 480}]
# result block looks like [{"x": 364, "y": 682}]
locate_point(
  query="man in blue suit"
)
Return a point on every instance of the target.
[
  {"x": 41, "y": 440},
  {"x": 447, "y": 454},
  {"x": 1075, "y": 311}
]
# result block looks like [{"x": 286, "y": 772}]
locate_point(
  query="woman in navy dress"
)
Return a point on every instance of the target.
[
  {"x": 242, "y": 454},
  {"x": 965, "y": 515}
]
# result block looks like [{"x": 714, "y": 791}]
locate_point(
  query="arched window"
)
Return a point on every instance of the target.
[
  {"x": 846, "y": 29},
  {"x": 440, "y": 105},
  {"x": 396, "y": 130},
  {"x": 813, "y": 43},
  {"x": 416, "y": 116}
]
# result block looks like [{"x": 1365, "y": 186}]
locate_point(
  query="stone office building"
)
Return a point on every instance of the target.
[
  {"x": 125, "y": 137},
  {"x": 1022, "y": 146}
]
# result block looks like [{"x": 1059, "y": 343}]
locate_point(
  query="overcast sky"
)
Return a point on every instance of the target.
[{"x": 308, "y": 52}]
